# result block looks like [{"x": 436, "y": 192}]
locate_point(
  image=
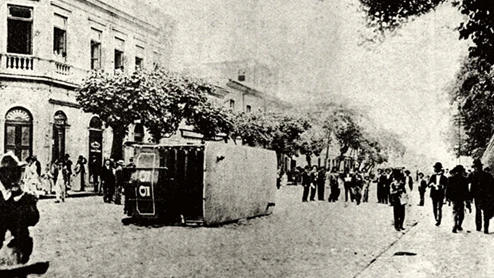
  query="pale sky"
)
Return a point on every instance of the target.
[{"x": 318, "y": 46}]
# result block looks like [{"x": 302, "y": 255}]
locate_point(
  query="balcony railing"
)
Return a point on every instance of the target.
[{"x": 29, "y": 66}]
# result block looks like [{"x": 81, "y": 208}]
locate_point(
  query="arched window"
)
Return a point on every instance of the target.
[
  {"x": 19, "y": 132},
  {"x": 95, "y": 123},
  {"x": 138, "y": 133},
  {"x": 59, "y": 127}
]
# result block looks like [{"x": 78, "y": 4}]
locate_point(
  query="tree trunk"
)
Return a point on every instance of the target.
[
  {"x": 308, "y": 159},
  {"x": 116, "y": 147}
]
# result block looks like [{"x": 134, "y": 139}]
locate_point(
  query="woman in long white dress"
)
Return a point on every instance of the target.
[
  {"x": 31, "y": 178},
  {"x": 60, "y": 171}
]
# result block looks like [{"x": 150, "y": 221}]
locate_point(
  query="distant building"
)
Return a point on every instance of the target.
[{"x": 47, "y": 49}]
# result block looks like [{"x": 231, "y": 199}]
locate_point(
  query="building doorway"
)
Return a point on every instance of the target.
[
  {"x": 19, "y": 132},
  {"x": 59, "y": 127},
  {"x": 95, "y": 149}
]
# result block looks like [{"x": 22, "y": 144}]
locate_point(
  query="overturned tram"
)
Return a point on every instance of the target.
[{"x": 201, "y": 184}]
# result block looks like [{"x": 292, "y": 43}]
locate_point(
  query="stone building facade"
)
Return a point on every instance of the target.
[{"x": 49, "y": 47}]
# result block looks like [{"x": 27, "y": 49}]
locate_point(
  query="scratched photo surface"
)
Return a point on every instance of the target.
[{"x": 246, "y": 138}]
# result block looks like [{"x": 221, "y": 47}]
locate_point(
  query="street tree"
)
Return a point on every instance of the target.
[
  {"x": 313, "y": 142},
  {"x": 159, "y": 99},
  {"x": 388, "y": 15},
  {"x": 273, "y": 131},
  {"x": 473, "y": 94}
]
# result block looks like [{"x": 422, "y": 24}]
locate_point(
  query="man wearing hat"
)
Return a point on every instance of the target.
[
  {"x": 18, "y": 209},
  {"x": 483, "y": 195},
  {"x": 438, "y": 183},
  {"x": 458, "y": 193}
]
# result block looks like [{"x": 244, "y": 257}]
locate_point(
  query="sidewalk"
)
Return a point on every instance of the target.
[
  {"x": 438, "y": 251},
  {"x": 71, "y": 194}
]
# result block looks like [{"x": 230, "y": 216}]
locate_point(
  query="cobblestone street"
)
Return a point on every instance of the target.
[{"x": 84, "y": 237}]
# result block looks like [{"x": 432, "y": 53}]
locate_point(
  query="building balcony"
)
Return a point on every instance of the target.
[{"x": 19, "y": 66}]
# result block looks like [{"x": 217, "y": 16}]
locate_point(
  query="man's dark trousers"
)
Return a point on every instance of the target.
[
  {"x": 422, "y": 194},
  {"x": 458, "y": 213},
  {"x": 320, "y": 191},
  {"x": 478, "y": 218},
  {"x": 399, "y": 214},
  {"x": 313, "y": 189},
  {"x": 437, "y": 207},
  {"x": 306, "y": 193}
]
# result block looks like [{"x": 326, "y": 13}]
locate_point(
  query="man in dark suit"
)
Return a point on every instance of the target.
[
  {"x": 483, "y": 195},
  {"x": 386, "y": 183},
  {"x": 438, "y": 183},
  {"x": 18, "y": 209},
  {"x": 458, "y": 193},
  {"x": 108, "y": 178},
  {"x": 306, "y": 183},
  {"x": 422, "y": 188},
  {"x": 379, "y": 185}
]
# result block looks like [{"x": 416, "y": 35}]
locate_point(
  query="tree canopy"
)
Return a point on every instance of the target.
[
  {"x": 388, "y": 15},
  {"x": 473, "y": 88},
  {"x": 160, "y": 100}
]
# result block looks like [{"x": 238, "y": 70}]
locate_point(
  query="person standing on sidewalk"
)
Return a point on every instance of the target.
[
  {"x": 379, "y": 185},
  {"x": 437, "y": 183},
  {"x": 347, "y": 182},
  {"x": 108, "y": 180},
  {"x": 457, "y": 192},
  {"x": 313, "y": 183},
  {"x": 387, "y": 180},
  {"x": 422, "y": 188},
  {"x": 59, "y": 176},
  {"x": 397, "y": 191},
  {"x": 321, "y": 181},
  {"x": 483, "y": 195},
  {"x": 335, "y": 189},
  {"x": 305, "y": 183}
]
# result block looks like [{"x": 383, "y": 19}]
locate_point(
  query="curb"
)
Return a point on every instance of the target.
[{"x": 70, "y": 195}]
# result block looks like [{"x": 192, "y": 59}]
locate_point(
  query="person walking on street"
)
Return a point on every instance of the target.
[
  {"x": 305, "y": 183},
  {"x": 108, "y": 180},
  {"x": 482, "y": 191},
  {"x": 365, "y": 189},
  {"x": 357, "y": 184},
  {"x": 68, "y": 166},
  {"x": 397, "y": 199},
  {"x": 321, "y": 181},
  {"x": 313, "y": 182},
  {"x": 438, "y": 183},
  {"x": 386, "y": 183},
  {"x": 59, "y": 176},
  {"x": 18, "y": 210},
  {"x": 422, "y": 188},
  {"x": 408, "y": 180},
  {"x": 333, "y": 183},
  {"x": 347, "y": 183},
  {"x": 380, "y": 186},
  {"x": 457, "y": 192},
  {"x": 81, "y": 171},
  {"x": 119, "y": 182}
]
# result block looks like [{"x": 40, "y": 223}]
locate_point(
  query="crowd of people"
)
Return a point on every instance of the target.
[
  {"x": 457, "y": 187},
  {"x": 57, "y": 177},
  {"x": 62, "y": 175}
]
